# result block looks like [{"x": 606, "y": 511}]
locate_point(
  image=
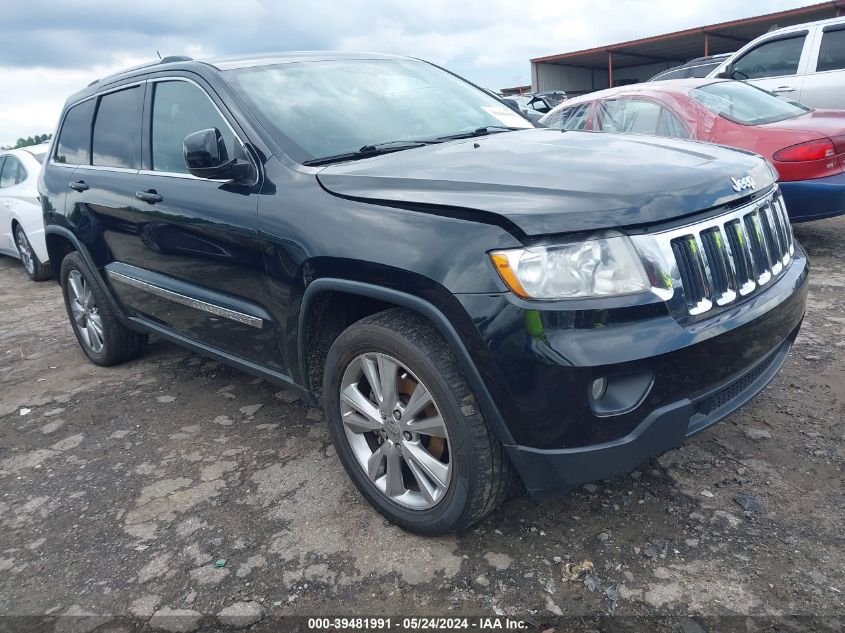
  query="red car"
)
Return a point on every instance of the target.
[{"x": 806, "y": 146}]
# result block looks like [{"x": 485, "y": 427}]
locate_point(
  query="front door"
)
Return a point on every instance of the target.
[
  {"x": 191, "y": 260},
  {"x": 777, "y": 65}
]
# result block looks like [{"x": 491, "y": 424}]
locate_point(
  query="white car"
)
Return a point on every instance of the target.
[
  {"x": 21, "y": 220},
  {"x": 803, "y": 63}
]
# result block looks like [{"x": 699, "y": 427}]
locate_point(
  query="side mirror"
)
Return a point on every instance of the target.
[
  {"x": 206, "y": 157},
  {"x": 725, "y": 74}
]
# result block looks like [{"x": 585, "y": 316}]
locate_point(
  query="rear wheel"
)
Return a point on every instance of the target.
[
  {"x": 103, "y": 338},
  {"x": 407, "y": 427},
  {"x": 33, "y": 266}
]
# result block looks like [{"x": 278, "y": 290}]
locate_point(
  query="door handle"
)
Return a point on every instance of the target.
[
  {"x": 783, "y": 89},
  {"x": 78, "y": 185},
  {"x": 150, "y": 196}
]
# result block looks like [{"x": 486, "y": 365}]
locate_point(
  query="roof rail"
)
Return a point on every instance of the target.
[
  {"x": 165, "y": 60},
  {"x": 175, "y": 58}
]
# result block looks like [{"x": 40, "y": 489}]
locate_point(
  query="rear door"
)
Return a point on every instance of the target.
[
  {"x": 824, "y": 85},
  {"x": 777, "y": 64},
  {"x": 99, "y": 192},
  {"x": 187, "y": 254}
]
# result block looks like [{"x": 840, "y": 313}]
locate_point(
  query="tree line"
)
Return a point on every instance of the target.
[{"x": 29, "y": 140}]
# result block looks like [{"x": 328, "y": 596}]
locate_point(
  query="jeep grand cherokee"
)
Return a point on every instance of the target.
[{"x": 474, "y": 302}]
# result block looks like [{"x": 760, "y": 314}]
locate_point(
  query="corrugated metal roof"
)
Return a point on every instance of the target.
[{"x": 680, "y": 46}]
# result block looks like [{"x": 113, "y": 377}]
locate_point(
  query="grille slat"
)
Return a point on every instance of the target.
[
  {"x": 693, "y": 274},
  {"x": 721, "y": 271},
  {"x": 759, "y": 248},
  {"x": 719, "y": 260},
  {"x": 740, "y": 256},
  {"x": 772, "y": 241}
]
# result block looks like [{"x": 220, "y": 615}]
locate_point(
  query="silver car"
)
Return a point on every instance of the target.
[{"x": 804, "y": 63}]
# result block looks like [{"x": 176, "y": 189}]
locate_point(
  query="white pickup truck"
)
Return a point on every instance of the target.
[{"x": 804, "y": 63}]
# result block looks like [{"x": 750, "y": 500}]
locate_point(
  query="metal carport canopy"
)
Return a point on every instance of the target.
[{"x": 681, "y": 46}]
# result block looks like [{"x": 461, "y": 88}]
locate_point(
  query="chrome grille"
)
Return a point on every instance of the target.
[{"x": 712, "y": 263}]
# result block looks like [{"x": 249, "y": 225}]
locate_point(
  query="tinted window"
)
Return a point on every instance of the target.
[
  {"x": 771, "y": 59},
  {"x": 75, "y": 138},
  {"x": 832, "y": 51},
  {"x": 12, "y": 172},
  {"x": 179, "y": 109},
  {"x": 745, "y": 104},
  {"x": 117, "y": 129}
]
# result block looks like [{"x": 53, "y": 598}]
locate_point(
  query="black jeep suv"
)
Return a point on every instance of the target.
[{"x": 474, "y": 302}]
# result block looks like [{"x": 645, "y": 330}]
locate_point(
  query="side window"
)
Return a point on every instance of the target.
[
  {"x": 181, "y": 108},
  {"x": 117, "y": 129},
  {"x": 577, "y": 117},
  {"x": 629, "y": 116},
  {"x": 7, "y": 178},
  {"x": 74, "y": 142},
  {"x": 703, "y": 70},
  {"x": 670, "y": 126},
  {"x": 540, "y": 106},
  {"x": 12, "y": 172},
  {"x": 770, "y": 59},
  {"x": 680, "y": 73},
  {"x": 832, "y": 51}
]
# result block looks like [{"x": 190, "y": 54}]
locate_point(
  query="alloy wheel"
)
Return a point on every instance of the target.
[
  {"x": 25, "y": 250},
  {"x": 85, "y": 311},
  {"x": 396, "y": 431}
]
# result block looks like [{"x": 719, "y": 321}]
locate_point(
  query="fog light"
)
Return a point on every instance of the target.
[
  {"x": 598, "y": 388},
  {"x": 621, "y": 393}
]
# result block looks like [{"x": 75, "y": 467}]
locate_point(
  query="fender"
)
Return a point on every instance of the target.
[
  {"x": 53, "y": 229},
  {"x": 429, "y": 311}
]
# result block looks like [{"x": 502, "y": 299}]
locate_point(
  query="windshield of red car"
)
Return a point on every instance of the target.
[{"x": 746, "y": 104}]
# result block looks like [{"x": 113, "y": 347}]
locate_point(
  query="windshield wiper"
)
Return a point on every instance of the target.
[
  {"x": 481, "y": 131},
  {"x": 366, "y": 151}
]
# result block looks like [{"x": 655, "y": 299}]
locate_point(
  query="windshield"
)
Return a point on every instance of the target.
[
  {"x": 316, "y": 110},
  {"x": 746, "y": 104}
]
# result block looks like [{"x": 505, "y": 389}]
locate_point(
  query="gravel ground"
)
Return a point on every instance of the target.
[{"x": 174, "y": 484}]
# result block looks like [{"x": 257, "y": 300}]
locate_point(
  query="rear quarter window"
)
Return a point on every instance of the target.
[{"x": 73, "y": 146}]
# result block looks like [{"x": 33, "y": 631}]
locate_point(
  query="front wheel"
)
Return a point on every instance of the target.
[
  {"x": 407, "y": 427},
  {"x": 33, "y": 266}
]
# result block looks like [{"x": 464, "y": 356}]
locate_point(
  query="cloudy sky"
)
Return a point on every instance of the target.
[{"x": 50, "y": 49}]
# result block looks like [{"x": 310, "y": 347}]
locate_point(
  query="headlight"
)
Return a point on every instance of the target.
[{"x": 593, "y": 268}]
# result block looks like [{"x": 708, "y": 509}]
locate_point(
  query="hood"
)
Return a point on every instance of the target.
[{"x": 547, "y": 181}]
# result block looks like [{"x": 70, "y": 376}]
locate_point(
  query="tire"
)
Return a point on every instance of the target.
[
  {"x": 101, "y": 335},
  {"x": 479, "y": 473},
  {"x": 31, "y": 264}
]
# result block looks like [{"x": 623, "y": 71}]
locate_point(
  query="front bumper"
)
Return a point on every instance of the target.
[
  {"x": 814, "y": 199},
  {"x": 550, "y": 472},
  {"x": 539, "y": 366}
]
